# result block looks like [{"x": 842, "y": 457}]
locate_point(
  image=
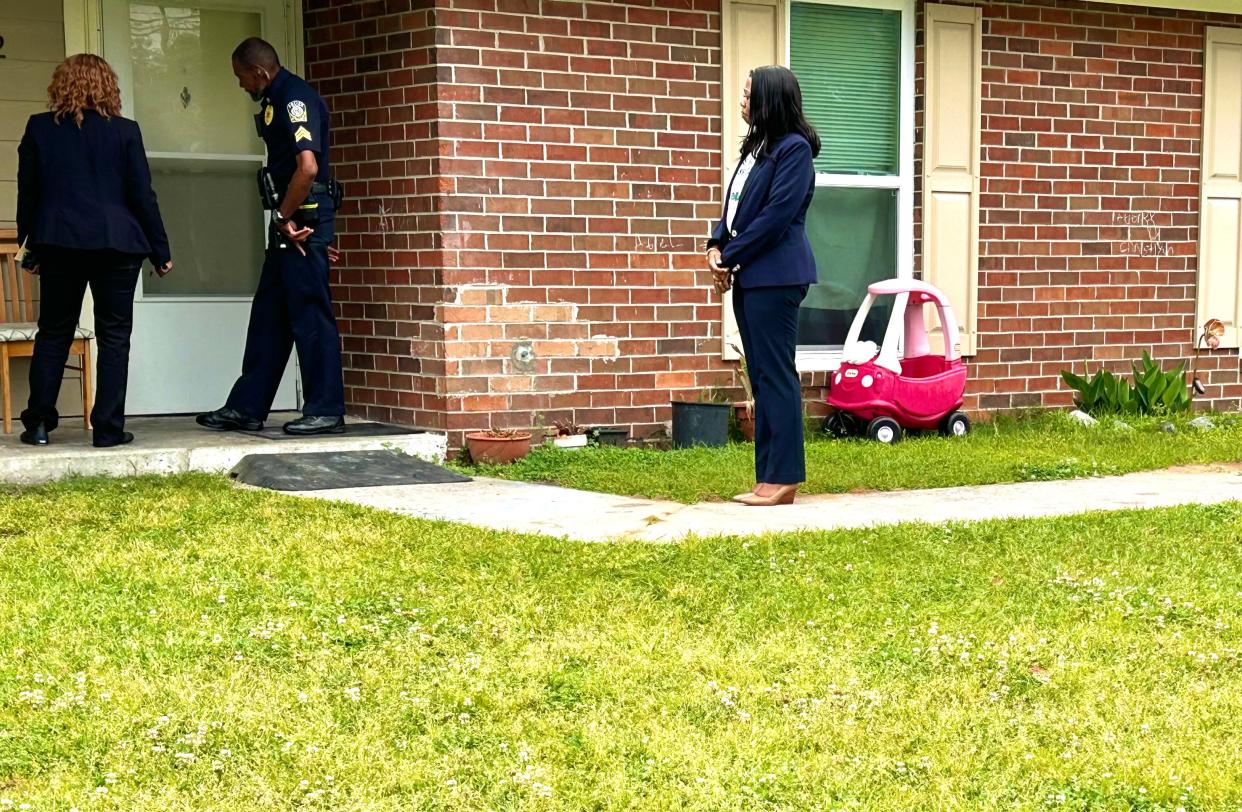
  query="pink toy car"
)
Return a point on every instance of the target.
[{"x": 902, "y": 385}]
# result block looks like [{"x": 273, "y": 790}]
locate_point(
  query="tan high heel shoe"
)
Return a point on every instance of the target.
[
  {"x": 783, "y": 495},
  {"x": 742, "y": 497}
]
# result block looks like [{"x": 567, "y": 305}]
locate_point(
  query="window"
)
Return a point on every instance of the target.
[{"x": 854, "y": 61}]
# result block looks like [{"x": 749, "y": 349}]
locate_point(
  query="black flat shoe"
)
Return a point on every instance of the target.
[
  {"x": 227, "y": 419},
  {"x": 316, "y": 424},
  {"x": 125, "y": 439},
  {"x": 35, "y": 436}
]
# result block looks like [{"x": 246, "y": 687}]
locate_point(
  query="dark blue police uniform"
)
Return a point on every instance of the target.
[{"x": 293, "y": 304}]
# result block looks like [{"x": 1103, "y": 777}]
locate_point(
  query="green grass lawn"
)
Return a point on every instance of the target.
[
  {"x": 178, "y": 643},
  {"x": 1040, "y": 446}
]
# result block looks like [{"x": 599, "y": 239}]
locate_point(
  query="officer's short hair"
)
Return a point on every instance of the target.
[{"x": 256, "y": 53}]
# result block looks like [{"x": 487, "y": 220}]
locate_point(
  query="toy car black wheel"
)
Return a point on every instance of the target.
[
  {"x": 884, "y": 430},
  {"x": 955, "y": 424},
  {"x": 839, "y": 425}
]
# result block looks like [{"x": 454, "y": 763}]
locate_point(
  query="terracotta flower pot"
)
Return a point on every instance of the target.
[
  {"x": 497, "y": 450},
  {"x": 744, "y": 410}
]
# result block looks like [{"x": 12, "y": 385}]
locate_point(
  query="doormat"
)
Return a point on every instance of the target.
[
  {"x": 328, "y": 470},
  {"x": 277, "y": 432}
]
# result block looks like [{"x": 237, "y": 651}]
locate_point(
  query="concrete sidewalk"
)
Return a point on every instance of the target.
[
  {"x": 173, "y": 445},
  {"x": 586, "y": 516}
]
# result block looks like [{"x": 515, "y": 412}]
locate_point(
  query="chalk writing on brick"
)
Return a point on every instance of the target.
[{"x": 1145, "y": 243}]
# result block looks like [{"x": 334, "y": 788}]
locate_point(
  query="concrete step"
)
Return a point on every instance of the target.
[{"x": 174, "y": 445}]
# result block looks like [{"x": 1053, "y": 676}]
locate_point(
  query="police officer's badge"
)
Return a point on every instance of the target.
[
  {"x": 267, "y": 115},
  {"x": 297, "y": 111}
]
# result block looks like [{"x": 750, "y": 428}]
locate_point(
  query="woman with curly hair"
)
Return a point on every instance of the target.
[{"x": 88, "y": 215}]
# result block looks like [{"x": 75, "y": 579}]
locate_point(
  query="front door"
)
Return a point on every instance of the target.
[{"x": 198, "y": 126}]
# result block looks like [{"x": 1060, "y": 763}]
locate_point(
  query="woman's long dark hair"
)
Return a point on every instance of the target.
[{"x": 775, "y": 111}]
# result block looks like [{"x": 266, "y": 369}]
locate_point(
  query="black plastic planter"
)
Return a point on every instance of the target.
[
  {"x": 700, "y": 424},
  {"x": 609, "y": 435}
]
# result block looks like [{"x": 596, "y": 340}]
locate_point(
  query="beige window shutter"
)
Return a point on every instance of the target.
[
  {"x": 1220, "y": 205},
  {"x": 952, "y": 122},
  {"x": 752, "y": 35}
]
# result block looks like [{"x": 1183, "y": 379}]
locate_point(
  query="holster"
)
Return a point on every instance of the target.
[{"x": 267, "y": 189}]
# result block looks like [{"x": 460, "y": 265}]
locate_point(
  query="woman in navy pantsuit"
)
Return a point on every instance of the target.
[
  {"x": 88, "y": 214},
  {"x": 759, "y": 247}
]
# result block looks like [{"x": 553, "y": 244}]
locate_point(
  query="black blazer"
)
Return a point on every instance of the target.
[
  {"x": 88, "y": 188},
  {"x": 768, "y": 239}
]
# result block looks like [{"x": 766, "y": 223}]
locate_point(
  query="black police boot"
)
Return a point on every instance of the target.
[
  {"x": 226, "y": 419},
  {"x": 125, "y": 439},
  {"x": 35, "y": 436},
  {"x": 316, "y": 424}
]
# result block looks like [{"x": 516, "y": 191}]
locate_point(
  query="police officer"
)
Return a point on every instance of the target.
[{"x": 292, "y": 305}]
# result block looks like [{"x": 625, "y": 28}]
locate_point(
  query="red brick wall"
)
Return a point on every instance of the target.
[
  {"x": 580, "y": 152},
  {"x": 531, "y": 181},
  {"x": 375, "y": 65},
  {"x": 1090, "y": 196}
]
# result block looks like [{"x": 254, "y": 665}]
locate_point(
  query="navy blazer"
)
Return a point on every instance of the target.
[
  {"x": 88, "y": 188},
  {"x": 768, "y": 243}
]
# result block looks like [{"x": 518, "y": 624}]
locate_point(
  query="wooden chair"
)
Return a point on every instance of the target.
[{"x": 19, "y": 315}]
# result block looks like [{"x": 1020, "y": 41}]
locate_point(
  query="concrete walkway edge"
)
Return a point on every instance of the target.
[{"x": 588, "y": 516}]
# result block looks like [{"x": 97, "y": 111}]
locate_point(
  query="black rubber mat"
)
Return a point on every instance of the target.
[
  {"x": 327, "y": 470},
  {"x": 277, "y": 431}
]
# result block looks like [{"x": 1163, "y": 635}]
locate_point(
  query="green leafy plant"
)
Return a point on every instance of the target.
[
  {"x": 1154, "y": 390},
  {"x": 1103, "y": 392},
  {"x": 1160, "y": 392}
]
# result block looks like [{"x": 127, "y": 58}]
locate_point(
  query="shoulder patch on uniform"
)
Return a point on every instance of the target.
[
  {"x": 302, "y": 134},
  {"x": 267, "y": 114},
  {"x": 297, "y": 111}
]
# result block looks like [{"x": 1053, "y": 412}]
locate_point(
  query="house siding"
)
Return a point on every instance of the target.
[
  {"x": 531, "y": 182},
  {"x": 1089, "y": 205}
]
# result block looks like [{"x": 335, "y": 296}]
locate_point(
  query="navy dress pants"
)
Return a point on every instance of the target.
[
  {"x": 64, "y": 275},
  {"x": 293, "y": 307},
  {"x": 768, "y": 321}
]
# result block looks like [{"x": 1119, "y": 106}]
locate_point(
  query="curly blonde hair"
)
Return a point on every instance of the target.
[{"x": 84, "y": 82}]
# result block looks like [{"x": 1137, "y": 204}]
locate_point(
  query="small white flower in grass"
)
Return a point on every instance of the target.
[
  {"x": 354, "y": 694},
  {"x": 101, "y": 790},
  {"x": 220, "y": 598},
  {"x": 303, "y": 696},
  {"x": 452, "y": 782}
]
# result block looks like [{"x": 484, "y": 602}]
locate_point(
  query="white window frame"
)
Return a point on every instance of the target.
[{"x": 827, "y": 358}]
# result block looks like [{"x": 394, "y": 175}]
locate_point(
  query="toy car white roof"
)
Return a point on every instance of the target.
[{"x": 891, "y": 287}]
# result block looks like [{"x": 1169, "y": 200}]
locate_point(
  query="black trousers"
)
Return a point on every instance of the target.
[
  {"x": 293, "y": 307},
  {"x": 768, "y": 321},
  {"x": 63, "y": 278}
]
